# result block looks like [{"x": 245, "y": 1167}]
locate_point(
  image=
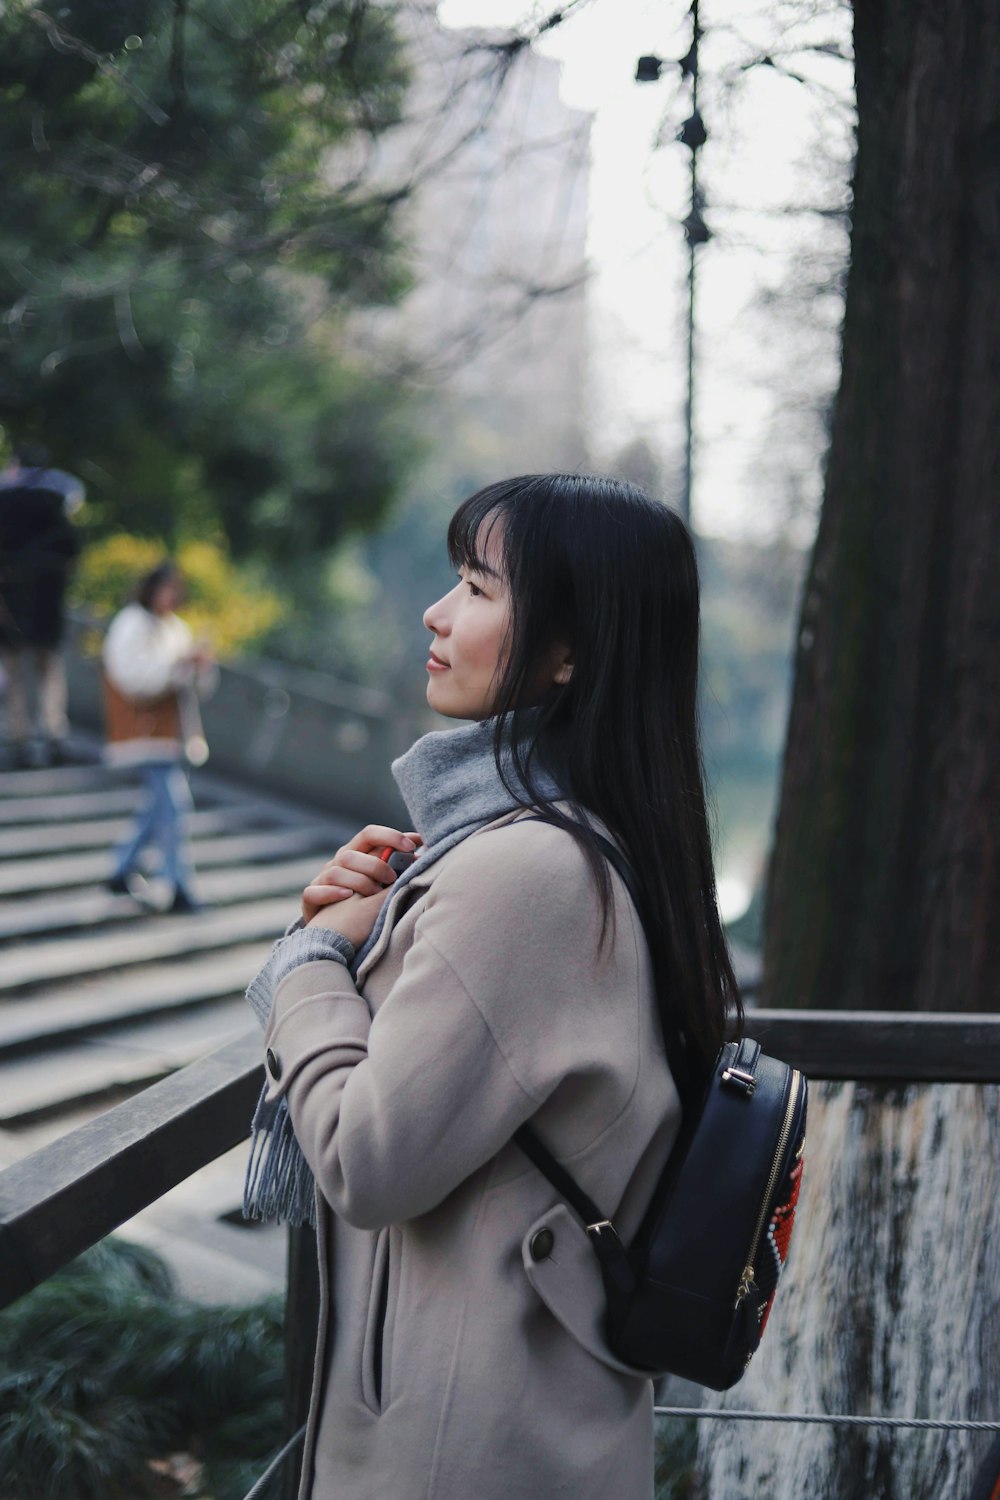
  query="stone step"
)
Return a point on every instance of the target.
[
  {"x": 210, "y": 1261},
  {"x": 54, "y": 780},
  {"x": 144, "y": 941},
  {"x": 110, "y": 997},
  {"x": 154, "y": 989},
  {"x": 33, "y": 916},
  {"x": 48, "y": 915},
  {"x": 15, "y": 811},
  {"x": 51, "y": 872},
  {"x": 105, "y": 833},
  {"x": 214, "y": 1255},
  {"x": 121, "y": 1058},
  {"x": 124, "y": 797}
]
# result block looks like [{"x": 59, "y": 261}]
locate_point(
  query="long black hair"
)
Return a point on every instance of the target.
[{"x": 596, "y": 565}]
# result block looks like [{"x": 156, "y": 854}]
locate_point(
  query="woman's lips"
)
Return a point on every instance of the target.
[{"x": 435, "y": 664}]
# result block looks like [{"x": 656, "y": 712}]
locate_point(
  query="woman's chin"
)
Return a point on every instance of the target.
[
  {"x": 438, "y": 701},
  {"x": 450, "y": 705}
]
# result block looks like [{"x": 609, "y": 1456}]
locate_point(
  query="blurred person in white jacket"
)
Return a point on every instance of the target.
[{"x": 154, "y": 674}]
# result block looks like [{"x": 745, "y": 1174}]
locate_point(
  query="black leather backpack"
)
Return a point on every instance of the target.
[{"x": 691, "y": 1294}]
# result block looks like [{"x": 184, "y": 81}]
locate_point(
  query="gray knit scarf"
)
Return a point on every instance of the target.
[{"x": 451, "y": 787}]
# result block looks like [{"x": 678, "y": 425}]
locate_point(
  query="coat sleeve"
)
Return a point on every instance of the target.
[{"x": 392, "y": 1114}]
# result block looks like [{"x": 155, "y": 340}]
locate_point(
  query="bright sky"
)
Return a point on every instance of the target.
[{"x": 774, "y": 144}]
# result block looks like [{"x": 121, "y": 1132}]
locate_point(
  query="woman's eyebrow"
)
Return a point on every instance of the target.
[{"x": 482, "y": 567}]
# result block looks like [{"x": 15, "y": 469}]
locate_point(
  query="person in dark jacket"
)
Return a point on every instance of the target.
[{"x": 38, "y": 547}]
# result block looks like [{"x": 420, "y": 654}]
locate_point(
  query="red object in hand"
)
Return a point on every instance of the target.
[{"x": 396, "y": 859}]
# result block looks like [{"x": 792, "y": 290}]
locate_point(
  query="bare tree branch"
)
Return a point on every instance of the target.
[
  {"x": 177, "y": 45},
  {"x": 63, "y": 41}
]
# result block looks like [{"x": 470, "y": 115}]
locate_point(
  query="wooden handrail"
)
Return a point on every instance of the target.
[
  {"x": 70, "y": 1194},
  {"x": 65, "y": 1197},
  {"x": 886, "y": 1046}
]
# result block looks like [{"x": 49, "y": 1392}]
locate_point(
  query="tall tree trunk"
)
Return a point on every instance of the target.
[
  {"x": 885, "y": 879},
  {"x": 885, "y": 882}
]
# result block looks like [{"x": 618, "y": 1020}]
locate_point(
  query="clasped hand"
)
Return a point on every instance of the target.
[{"x": 347, "y": 894}]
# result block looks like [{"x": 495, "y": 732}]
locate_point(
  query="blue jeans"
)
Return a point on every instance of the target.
[{"x": 160, "y": 821}]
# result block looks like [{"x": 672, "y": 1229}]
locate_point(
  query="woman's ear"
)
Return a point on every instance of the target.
[{"x": 564, "y": 668}]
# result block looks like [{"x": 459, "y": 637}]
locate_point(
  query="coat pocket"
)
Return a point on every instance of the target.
[
  {"x": 377, "y": 1345},
  {"x": 568, "y": 1280}
]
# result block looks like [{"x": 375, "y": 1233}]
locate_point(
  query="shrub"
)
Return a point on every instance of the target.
[
  {"x": 104, "y": 1370},
  {"x": 226, "y": 604}
]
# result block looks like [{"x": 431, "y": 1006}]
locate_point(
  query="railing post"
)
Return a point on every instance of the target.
[{"x": 301, "y": 1323}]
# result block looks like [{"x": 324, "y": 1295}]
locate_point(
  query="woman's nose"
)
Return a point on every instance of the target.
[{"x": 436, "y": 617}]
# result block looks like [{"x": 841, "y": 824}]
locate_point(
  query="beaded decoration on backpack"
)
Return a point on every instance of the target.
[{"x": 779, "y": 1229}]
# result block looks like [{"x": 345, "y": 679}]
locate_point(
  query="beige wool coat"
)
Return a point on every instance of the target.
[{"x": 451, "y": 1272}]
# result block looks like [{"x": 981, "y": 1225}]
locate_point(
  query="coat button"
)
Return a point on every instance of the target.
[
  {"x": 541, "y": 1244},
  {"x": 273, "y": 1064}
]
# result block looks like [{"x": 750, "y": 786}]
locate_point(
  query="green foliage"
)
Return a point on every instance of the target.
[
  {"x": 225, "y": 604},
  {"x": 362, "y": 619},
  {"x": 674, "y": 1475},
  {"x": 180, "y": 239},
  {"x": 104, "y": 1368}
]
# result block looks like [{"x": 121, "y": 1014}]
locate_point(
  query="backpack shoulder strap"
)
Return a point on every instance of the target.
[
  {"x": 601, "y": 1232},
  {"x": 600, "y": 1229},
  {"x": 536, "y": 1151}
]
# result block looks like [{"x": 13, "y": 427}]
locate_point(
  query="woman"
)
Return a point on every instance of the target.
[
  {"x": 153, "y": 674},
  {"x": 415, "y": 1021}
]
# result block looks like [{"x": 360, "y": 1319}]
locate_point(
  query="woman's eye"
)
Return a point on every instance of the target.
[{"x": 473, "y": 590}]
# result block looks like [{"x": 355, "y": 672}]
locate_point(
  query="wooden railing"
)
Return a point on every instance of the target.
[
  {"x": 71, "y": 1193},
  {"x": 65, "y": 1197}
]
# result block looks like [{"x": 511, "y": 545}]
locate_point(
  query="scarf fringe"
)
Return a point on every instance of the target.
[{"x": 279, "y": 1186}]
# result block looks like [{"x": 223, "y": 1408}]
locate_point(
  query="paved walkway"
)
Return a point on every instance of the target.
[{"x": 100, "y": 997}]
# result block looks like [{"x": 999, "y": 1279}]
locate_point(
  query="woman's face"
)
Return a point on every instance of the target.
[
  {"x": 470, "y": 627},
  {"x": 167, "y": 597}
]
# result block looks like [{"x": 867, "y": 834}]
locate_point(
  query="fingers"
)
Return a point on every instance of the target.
[
  {"x": 355, "y": 871},
  {"x": 356, "y": 859},
  {"x": 355, "y": 919},
  {"x": 364, "y": 874},
  {"x": 322, "y": 893},
  {"x": 316, "y": 896},
  {"x": 319, "y": 893},
  {"x": 377, "y": 836}
]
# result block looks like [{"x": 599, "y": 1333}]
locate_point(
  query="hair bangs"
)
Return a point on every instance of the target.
[{"x": 472, "y": 526}]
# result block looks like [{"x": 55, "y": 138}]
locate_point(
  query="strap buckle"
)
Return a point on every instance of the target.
[
  {"x": 603, "y": 1226},
  {"x": 610, "y": 1252},
  {"x": 740, "y": 1080}
]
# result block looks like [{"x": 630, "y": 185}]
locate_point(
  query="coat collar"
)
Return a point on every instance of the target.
[
  {"x": 419, "y": 882},
  {"x": 452, "y": 788}
]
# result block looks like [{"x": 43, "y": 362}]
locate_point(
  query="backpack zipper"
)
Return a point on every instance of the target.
[{"x": 746, "y": 1280}]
